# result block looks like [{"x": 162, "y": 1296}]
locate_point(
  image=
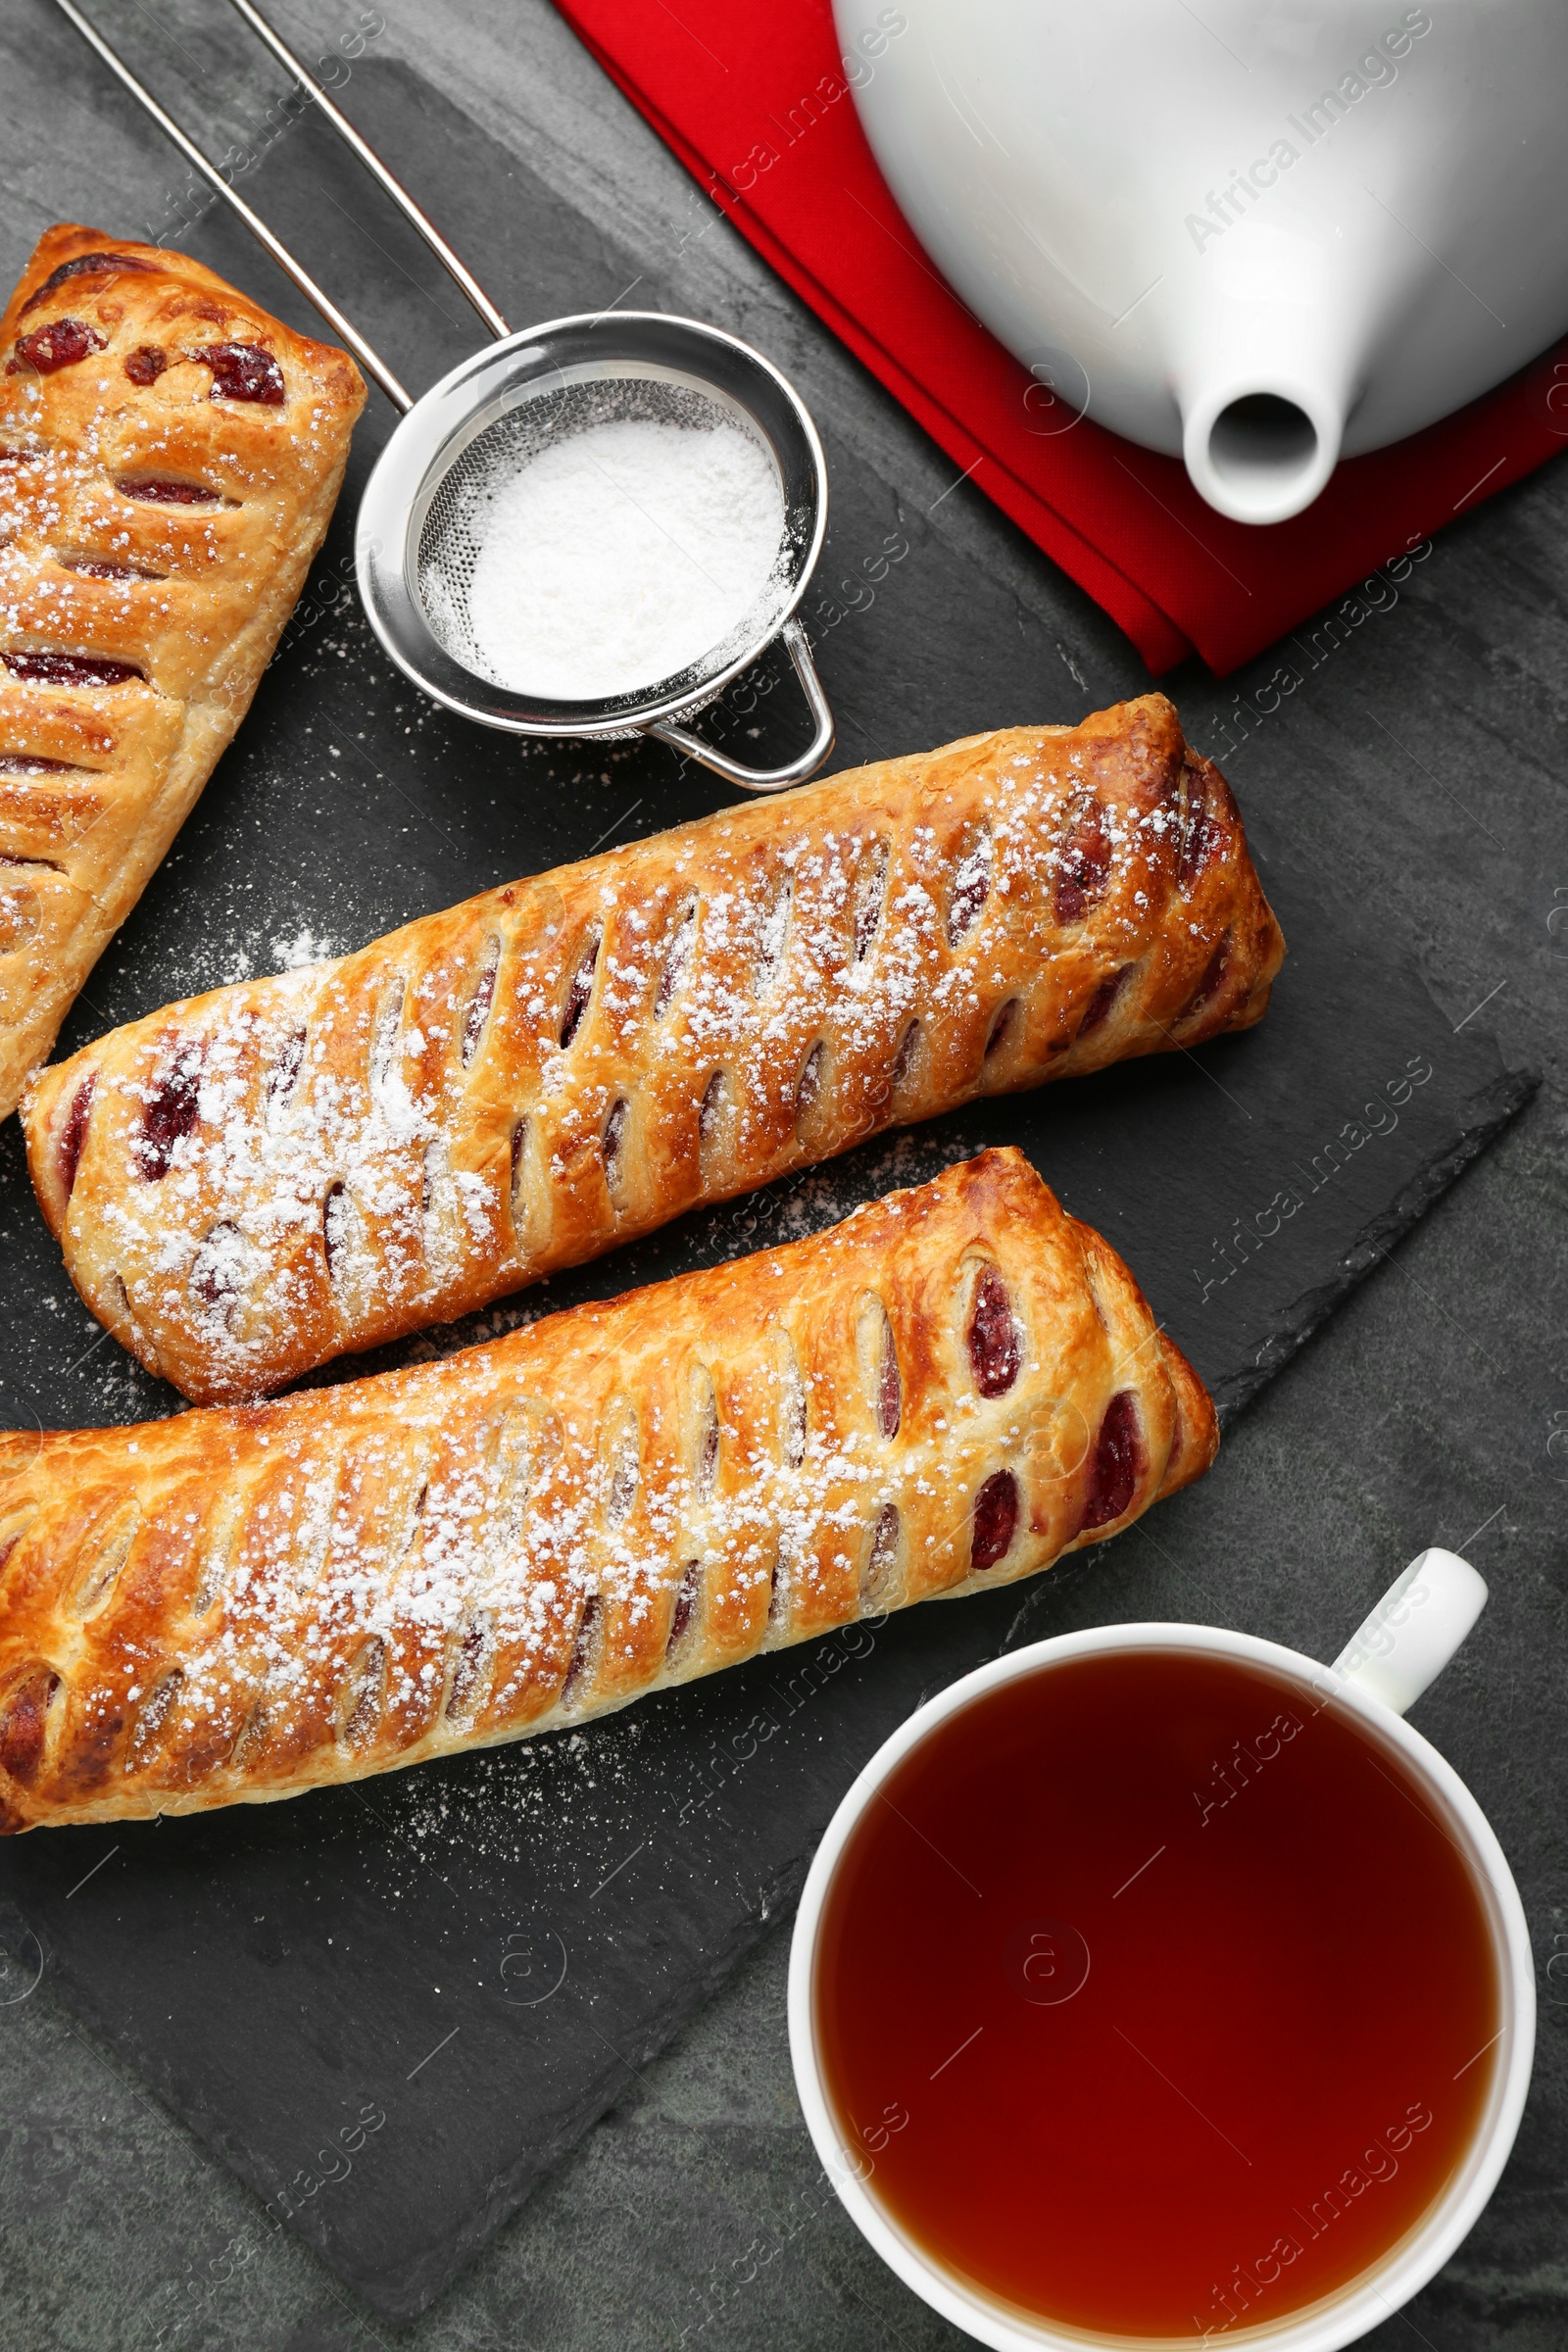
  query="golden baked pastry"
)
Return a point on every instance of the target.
[
  {"x": 943, "y": 1394},
  {"x": 170, "y": 456},
  {"x": 249, "y": 1183}
]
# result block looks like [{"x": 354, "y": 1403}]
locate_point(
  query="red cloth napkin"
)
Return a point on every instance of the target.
[{"x": 725, "y": 83}]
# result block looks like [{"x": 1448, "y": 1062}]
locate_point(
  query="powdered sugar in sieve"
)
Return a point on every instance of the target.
[{"x": 602, "y": 538}]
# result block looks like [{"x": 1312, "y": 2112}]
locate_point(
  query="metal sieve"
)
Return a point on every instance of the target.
[{"x": 421, "y": 518}]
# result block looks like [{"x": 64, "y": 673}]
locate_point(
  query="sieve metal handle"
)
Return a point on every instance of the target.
[
  {"x": 388, "y": 180},
  {"x": 370, "y": 361},
  {"x": 765, "y": 779}
]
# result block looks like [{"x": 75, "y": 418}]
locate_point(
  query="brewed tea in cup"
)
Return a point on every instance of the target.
[{"x": 1156, "y": 1986}]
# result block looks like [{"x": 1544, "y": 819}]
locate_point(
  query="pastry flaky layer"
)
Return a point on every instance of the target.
[
  {"x": 943, "y": 1394},
  {"x": 251, "y": 1182},
  {"x": 170, "y": 456}
]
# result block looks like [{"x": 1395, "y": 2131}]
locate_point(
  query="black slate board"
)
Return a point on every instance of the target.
[{"x": 391, "y": 2008}]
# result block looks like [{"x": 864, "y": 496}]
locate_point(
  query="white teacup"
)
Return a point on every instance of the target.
[{"x": 1405, "y": 1642}]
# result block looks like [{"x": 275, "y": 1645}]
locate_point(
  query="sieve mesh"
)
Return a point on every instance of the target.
[{"x": 455, "y": 522}]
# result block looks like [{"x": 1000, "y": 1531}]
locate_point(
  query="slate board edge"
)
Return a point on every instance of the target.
[
  {"x": 404, "y": 2297},
  {"x": 424, "y": 2281},
  {"x": 1487, "y": 1114}
]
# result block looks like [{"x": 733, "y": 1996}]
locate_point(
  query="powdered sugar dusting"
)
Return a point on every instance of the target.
[
  {"x": 291, "y": 952},
  {"x": 408, "y": 1131},
  {"x": 544, "y": 1530}
]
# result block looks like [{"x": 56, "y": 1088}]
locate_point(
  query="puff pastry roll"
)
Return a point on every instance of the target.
[
  {"x": 247, "y": 1184},
  {"x": 170, "y": 456},
  {"x": 943, "y": 1394}
]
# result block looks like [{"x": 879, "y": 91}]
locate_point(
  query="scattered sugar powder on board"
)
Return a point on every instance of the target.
[
  {"x": 621, "y": 556},
  {"x": 304, "y": 948}
]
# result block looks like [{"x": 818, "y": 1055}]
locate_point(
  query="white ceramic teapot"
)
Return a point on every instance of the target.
[{"x": 1264, "y": 236}]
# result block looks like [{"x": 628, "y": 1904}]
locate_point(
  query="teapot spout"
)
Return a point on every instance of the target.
[
  {"x": 1269, "y": 359},
  {"x": 1259, "y": 446}
]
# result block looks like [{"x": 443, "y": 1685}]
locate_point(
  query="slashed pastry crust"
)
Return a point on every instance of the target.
[
  {"x": 249, "y": 1183},
  {"x": 170, "y": 458},
  {"x": 943, "y": 1394}
]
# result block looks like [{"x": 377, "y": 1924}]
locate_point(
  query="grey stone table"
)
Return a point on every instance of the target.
[{"x": 1424, "y": 770}]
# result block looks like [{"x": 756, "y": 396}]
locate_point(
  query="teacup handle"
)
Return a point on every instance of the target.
[{"x": 1416, "y": 1628}]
